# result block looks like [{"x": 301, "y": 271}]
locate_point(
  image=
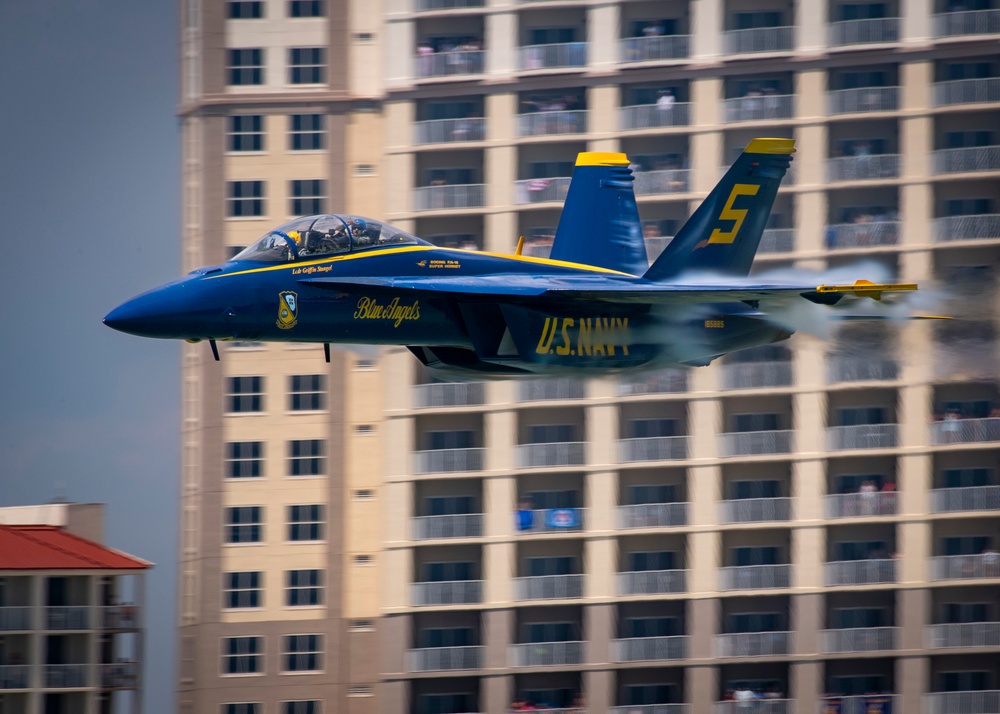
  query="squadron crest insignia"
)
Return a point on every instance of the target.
[{"x": 288, "y": 310}]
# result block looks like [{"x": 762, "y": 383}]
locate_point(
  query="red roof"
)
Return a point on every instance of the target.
[{"x": 52, "y": 548}]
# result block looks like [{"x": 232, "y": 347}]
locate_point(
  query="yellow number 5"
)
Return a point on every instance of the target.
[{"x": 736, "y": 215}]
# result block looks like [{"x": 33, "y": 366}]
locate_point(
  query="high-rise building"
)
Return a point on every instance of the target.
[{"x": 816, "y": 517}]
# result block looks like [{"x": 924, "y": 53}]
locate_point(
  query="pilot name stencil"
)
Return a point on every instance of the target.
[
  {"x": 371, "y": 309},
  {"x": 310, "y": 269},
  {"x": 595, "y": 336}
]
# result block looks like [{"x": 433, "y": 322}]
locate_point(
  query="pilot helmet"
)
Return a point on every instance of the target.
[{"x": 295, "y": 236}]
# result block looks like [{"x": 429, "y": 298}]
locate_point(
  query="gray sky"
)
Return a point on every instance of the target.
[{"x": 89, "y": 203}]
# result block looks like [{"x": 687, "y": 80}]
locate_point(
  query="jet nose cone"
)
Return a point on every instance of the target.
[
  {"x": 159, "y": 313},
  {"x": 131, "y": 317}
]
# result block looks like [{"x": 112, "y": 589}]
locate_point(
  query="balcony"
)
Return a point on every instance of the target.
[
  {"x": 546, "y": 654},
  {"x": 552, "y": 520},
  {"x": 967, "y": 22},
  {"x": 15, "y": 618},
  {"x": 858, "y": 369},
  {"x": 981, "y": 702},
  {"x": 119, "y": 617},
  {"x": 567, "y": 453},
  {"x": 864, "y": 639},
  {"x": 851, "y": 236},
  {"x": 446, "y": 131},
  {"x": 755, "y": 443},
  {"x": 755, "y": 510},
  {"x": 439, "y": 198},
  {"x": 548, "y": 587},
  {"x": 540, "y": 390},
  {"x": 651, "y": 709},
  {"x": 862, "y": 99},
  {"x": 756, "y": 375},
  {"x": 862, "y": 436},
  {"x": 13, "y": 676},
  {"x": 967, "y": 91},
  {"x": 665, "y": 381},
  {"x": 652, "y": 515},
  {"x": 966, "y": 634},
  {"x": 861, "y": 704},
  {"x": 754, "y": 577},
  {"x": 870, "y": 571},
  {"x": 425, "y": 5},
  {"x": 456, "y": 525},
  {"x": 448, "y": 394},
  {"x": 757, "y": 706},
  {"x": 554, "y": 56},
  {"x": 654, "y": 49},
  {"x": 969, "y": 159},
  {"x": 649, "y": 649},
  {"x": 751, "y": 644},
  {"x": 776, "y": 240},
  {"x": 442, "y": 659},
  {"x": 965, "y": 567},
  {"x": 121, "y": 675},
  {"x": 955, "y": 228},
  {"x": 652, "y": 582},
  {"x": 65, "y": 676},
  {"x": 965, "y": 431},
  {"x": 863, "y": 168},
  {"x": 650, "y": 116},
  {"x": 67, "y": 618},
  {"x": 541, "y": 190},
  {"x": 861, "y": 505},
  {"x": 865, "y": 32},
  {"x": 758, "y": 108},
  {"x": 456, "y": 63},
  {"x": 970, "y": 498},
  {"x": 652, "y": 448},
  {"x": 759, "y": 39},
  {"x": 552, "y": 123},
  {"x": 651, "y": 183},
  {"x": 435, "y": 461},
  {"x": 453, "y": 592}
]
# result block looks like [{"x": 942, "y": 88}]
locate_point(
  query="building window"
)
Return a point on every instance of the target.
[
  {"x": 364, "y": 429},
  {"x": 306, "y": 457},
  {"x": 364, "y": 494},
  {"x": 309, "y": 706},
  {"x": 364, "y": 170},
  {"x": 308, "y": 132},
  {"x": 362, "y": 560},
  {"x": 308, "y": 197},
  {"x": 244, "y": 199},
  {"x": 305, "y": 8},
  {"x": 244, "y": 459},
  {"x": 242, "y": 589},
  {"x": 306, "y": 392},
  {"x": 245, "y": 9},
  {"x": 243, "y": 707},
  {"x": 301, "y": 653},
  {"x": 242, "y": 655},
  {"x": 246, "y": 132},
  {"x": 243, "y": 524},
  {"x": 305, "y": 522},
  {"x": 306, "y": 65},
  {"x": 244, "y": 394},
  {"x": 361, "y": 625},
  {"x": 303, "y": 588},
  {"x": 245, "y": 67}
]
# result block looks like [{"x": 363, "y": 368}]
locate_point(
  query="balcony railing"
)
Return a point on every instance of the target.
[
  {"x": 651, "y": 116},
  {"x": 965, "y": 431},
  {"x": 756, "y": 375},
  {"x": 777, "y": 240},
  {"x": 538, "y": 390},
  {"x": 436, "y": 198},
  {"x": 550, "y": 123},
  {"x": 650, "y": 183},
  {"x": 541, "y": 190},
  {"x": 455, "y": 63},
  {"x": 424, "y": 5},
  {"x": 848, "y": 236},
  {"x": 544, "y": 654},
  {"x": 548, "y": 587},
  {"x": 13, "y": 676},
  {"x": 121, "y": 675},
  {"x": 757, "y": 706},
  {"x": 755, "y": 510},
  {"x": 967, "y": 22},
  {"x": 863, "y": 32},
  {"x": 979, "y": 702},
  {"x": 448, "y": 394},
  {"x": 567, "y": 54},
  {"x": 435, "y": 461},
  {"x": 861, "y": 572},
  {"x": 119, "y": 617},
  {"x": 15, "y": 618},
  {"x": 449, "y": 592},
  {"x": 863, "y": 99},
  {"x": 652, "y": 515},
  {"x": 863, "y": 168},
  {"x": 754, "y": 577},
  {"x": 759, "y": 39},
  {"x": 965, "y": 634},
  {"x": 970, "y": 498},
  {"x": 750, "y": 443},
  {"x": 861, "y": 369},
  {"x": 979, "y": 227},
  {"x": 861, "y": 704},
  {"x": 652, "y": 582},
  {"x": 758, "y": 108},
  {"x": 862, "y": 436},
  {"x": 863, "y": 639},
  {"x": 67, "y": 618},
  {"x": 440, "y": 659},
  {"x": 967, "y": 91},
  {"x": 664, "y": 381},
  {"x": 969, "y": 159},
  {"x": 456, "y": 525},
  {"x": 861, "y": 505},
  {"x": 442, "y": 131},
  {"x": 649, "y": 649},
  {"x": 654, "y": 49},
  {"x": 553, "y": 520},
  {"x": 751, "y": 644},
  {"x": 652, "y": 448},
  {"x": 567, "y": 453},
  {"x": 965, "y": 567},
  {"x": 65, "y": 675}
]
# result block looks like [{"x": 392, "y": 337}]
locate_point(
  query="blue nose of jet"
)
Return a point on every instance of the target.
[{"x": 164, "y": 312}]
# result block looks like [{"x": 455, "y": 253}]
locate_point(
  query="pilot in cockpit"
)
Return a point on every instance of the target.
[{"x": 359, "y": 234}]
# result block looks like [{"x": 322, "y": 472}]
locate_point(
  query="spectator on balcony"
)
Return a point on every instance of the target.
[
  {"x": 744, "y": 697},
  {"x": 751, "y": 104},
  {"x": 951, "y": 425},
  {"x": 665, "y": 106},
  {"x": 525, "y": 515},
  {"x": 991, "y": 562},
  {"x": 653, "y": 29},
  {"x": 868, "y": 496}
]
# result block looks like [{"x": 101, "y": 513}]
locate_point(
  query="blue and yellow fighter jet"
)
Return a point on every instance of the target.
[{"x": 593, "y": 306}]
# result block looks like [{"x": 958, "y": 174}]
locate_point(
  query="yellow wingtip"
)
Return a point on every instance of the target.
[
  {"x": 770, "y": 146},
  {"x": 601, "y": 158}
]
